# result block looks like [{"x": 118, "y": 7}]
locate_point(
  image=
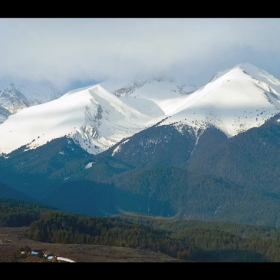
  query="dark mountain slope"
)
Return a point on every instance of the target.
[
  {"x": 159, "y": 171},
  {"x": 209, "y": 140},
  {"x": 8, "y": 192},
  {"x": 174, "y": 191},
  {"x": 157, "y": 145},
  {"x": 84, "y": 197},
  {"x": 250, "y": 159},
  {"x": 30, "y": 171}
]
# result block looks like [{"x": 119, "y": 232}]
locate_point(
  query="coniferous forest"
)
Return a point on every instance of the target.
[{"x": 186, "y": 240}]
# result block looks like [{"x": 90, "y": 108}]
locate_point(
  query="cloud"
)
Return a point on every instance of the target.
[{"x": 61, "y": 50}]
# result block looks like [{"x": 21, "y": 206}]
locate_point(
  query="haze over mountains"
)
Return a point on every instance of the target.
[{"x": 153, "y": 146}]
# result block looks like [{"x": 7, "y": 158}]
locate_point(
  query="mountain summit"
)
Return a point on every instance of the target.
[
  {"x": 92, "y": 116},
  {"x": 234, "y": 101}
]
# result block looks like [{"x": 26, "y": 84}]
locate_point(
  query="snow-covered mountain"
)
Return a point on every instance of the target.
[
  {"x": 153, "y": 146},
  {"x": 13, "y": 100},
  {"x": 101, "y": 115},
  {"x": 14, "y": 97},
  {"x": 155, "y": 97},
  {"x": 92, "y": 116},
  {"x": 4, "y": 113},
  {"x": 234, "y": 101},
  {"x": 35, "y": 92}
]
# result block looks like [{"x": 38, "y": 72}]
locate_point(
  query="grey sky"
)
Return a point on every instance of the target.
[{"x": 64, "y": 50}]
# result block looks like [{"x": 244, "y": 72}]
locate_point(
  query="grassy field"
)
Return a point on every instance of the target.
[{"x": 12, "y": 239}]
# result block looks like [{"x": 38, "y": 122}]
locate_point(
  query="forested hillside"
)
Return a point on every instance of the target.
[
  {"x": 218, "y": 178},
  {"x": 187, "y": 240}
]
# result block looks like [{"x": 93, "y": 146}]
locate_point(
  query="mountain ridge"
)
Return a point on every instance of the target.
[
  {"x": 186, "y": 156},
  {"x": 233, "y": 101}
]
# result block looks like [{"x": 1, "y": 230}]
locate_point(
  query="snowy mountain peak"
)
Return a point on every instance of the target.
[
  {"x": 15, "y": 97},
  {"x": 129, "y": 87},
  {"x": 234, "y": 101},
  {"x": 96, "y": 118},
  {"x": 92, "y": 116},
  {"x": 252, "y": 71},
  {"x": 13, "y": 100}
]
